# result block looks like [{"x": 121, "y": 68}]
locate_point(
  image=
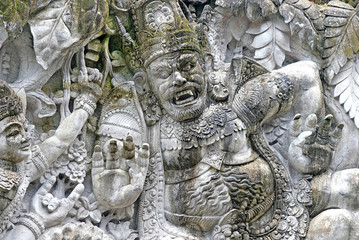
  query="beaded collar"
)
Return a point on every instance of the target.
[{"x": 216, "y": 122}]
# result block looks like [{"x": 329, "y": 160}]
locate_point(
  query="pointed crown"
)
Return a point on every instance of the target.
[
  {"x": 161, "y": 28},
  {"x": 10, "y": 103}
]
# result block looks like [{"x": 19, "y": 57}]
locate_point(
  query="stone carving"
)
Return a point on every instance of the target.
[
  {"x": 195, "y": 119},
  {"x": 45, "y": 210}
]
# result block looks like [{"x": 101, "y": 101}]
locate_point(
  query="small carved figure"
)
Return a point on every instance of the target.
[{"x": 22, "y": 163}]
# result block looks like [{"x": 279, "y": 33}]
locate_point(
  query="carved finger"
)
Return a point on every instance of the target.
[
  {"x": 128, "y": 148},
  {"x": 145, "y": 150},
  {"x": 47, "y": 199},
  {"x": 69, "y": 202},
  {"x": 144, "y": 154},
  {"x": 323, "y": 131},
  {"x": 301, "y": 139},
  {"x": 97, "y": 76},
  {"x": 53, "y": 205},
  {"x": 297, "y": 158},
  {"x": 295, "y": 125},
  {"x": 310, "y": 125},
  {"x": 97, "y": 157},
  {"x": 91, "y": 74},
  {"x": 114, "y": 154},
  {"x": 82, "y": 77},
  {"x": 336, "y": 136},
  {"x": 46, "y": 187},
  {"x": 311, "y": 122}
]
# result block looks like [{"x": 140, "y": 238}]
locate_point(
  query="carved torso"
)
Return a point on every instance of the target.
[{"x": 205, "y": 181}]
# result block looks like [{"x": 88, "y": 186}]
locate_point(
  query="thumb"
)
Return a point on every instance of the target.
[{"x": 300, "y": 140}]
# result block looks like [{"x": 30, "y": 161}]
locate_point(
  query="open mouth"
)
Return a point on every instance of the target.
[
  {"x": 25, "y": 147},
  {"x": 185, "y": 96}
]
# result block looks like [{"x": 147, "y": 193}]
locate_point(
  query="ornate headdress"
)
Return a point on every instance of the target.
[
  {"x": 120, "y": 116},
  {"x": 161, "y": 28},
  {"x": 10, "y": 103}
]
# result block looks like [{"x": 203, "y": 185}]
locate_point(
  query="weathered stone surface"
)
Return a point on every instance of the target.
[{"x": 167, "y": 119}]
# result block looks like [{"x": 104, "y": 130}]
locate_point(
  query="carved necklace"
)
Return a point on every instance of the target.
[{"x": 216, "y": 122}]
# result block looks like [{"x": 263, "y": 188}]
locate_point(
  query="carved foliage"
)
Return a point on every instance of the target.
[
  {"x": 347, "y": 88},
  {"x": 303, "y": 18},
  {"x": 254, "y": 9},
  {"x": 341, "y": 40},
  {"x": 271, "y": 41},
  {"x": 341, "y": 45},
  {"x": 64, "y": 26}
]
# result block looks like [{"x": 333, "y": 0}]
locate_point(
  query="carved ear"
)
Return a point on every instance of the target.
[{"x": 141, "y": 83}]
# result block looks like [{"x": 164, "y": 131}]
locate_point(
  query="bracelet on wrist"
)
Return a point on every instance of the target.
[
  {"x": 33, "y": 224},
  {"x": 85, "y": 104}
]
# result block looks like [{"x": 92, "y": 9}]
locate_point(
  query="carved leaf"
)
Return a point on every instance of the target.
[
  {"x": 347, "y": 88},
  {"x": 14, "y": 11},
  {"x": 65, "y": 26},
  {"x": 82, "y": 214},
  {"x": 341, "y": 41},
  {"x": 95, "y": 216},
  {"x": 271, "y": 41},
  {"x": 304, "y": 19}
]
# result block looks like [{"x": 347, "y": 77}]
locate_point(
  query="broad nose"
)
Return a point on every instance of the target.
[
  {"x": 25, "y": 137},
  {"x": 178, "y": 79}
]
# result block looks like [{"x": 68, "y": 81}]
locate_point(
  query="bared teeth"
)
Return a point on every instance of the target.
[
  {"x": 187, "y": 100},
  {"x": 183, "y": 93},
  {"x": 184, "y": 96}
]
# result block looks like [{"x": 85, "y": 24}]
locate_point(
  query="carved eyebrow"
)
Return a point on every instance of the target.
[
  {"x": 186, "y": 57},
  {"x": 161, "y": 66}
]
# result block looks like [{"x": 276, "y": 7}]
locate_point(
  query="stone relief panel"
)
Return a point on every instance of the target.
[{"x": 179, "y": 119}]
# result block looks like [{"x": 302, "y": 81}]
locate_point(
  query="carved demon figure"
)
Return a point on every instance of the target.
[{"x": 211, "y": 173}]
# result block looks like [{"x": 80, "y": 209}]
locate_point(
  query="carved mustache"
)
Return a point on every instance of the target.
[{"x": 196, "y": 81}]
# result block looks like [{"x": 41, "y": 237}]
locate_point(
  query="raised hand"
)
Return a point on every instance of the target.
[
  {"x": 314, "y": 143},
  {"x": 89, "y": 80},
  {"x": 49, "y": 210},
  {"x": 120, "y": 182}
]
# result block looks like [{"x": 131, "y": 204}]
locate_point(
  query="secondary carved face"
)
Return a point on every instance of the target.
[
  {"x": 178, "y": 81},
  {"x": 14, "y": 140}
]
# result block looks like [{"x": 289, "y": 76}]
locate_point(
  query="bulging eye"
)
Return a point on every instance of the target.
[
  {"x": 162, "y": 74},
  {"x": 187, "y": 67}
]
